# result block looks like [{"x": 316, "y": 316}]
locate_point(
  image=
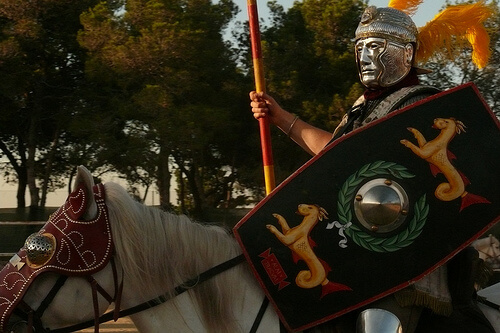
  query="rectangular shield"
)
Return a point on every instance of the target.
[{"x": 378, "y": 209}]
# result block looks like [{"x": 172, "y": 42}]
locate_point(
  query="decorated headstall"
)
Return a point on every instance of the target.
[{"x": 66, "y": 245}]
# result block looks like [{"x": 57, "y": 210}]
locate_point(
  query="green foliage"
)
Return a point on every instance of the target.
[
  {"x": 176, "y": 80},
  {"x": 41, "y": 67}
]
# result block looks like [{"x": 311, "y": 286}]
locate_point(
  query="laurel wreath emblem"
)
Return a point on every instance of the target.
[{"x": 364, "y": 239}]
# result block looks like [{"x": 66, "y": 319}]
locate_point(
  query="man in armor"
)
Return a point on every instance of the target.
[{"x": 385, "y": 46}]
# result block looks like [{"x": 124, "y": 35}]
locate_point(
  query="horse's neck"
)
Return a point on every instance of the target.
[
  {"x": 310, "y": 220},
  {"x": 447, "y": 133},
  {"x": 233, "y": 293},
  {"x": 182, "y": 314}
]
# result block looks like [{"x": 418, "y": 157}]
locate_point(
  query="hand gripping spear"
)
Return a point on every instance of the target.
[{"x": 260, "y": 86}]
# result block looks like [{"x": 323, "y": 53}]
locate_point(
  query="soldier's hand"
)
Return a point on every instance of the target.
[{"x": 264, "y": 105}]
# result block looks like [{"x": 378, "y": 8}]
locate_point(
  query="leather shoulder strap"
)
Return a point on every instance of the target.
[{"x": 397, "y": 99}]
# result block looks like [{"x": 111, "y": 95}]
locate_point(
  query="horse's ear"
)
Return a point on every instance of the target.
[{"x": 84, "y": 177}]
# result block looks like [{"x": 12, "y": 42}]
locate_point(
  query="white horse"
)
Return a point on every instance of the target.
[
  {"x": 155, "y": 253},
  {"x": 489, "y": 250}
]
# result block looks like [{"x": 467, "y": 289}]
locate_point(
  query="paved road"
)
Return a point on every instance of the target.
[{"x": 123, "y": 325}]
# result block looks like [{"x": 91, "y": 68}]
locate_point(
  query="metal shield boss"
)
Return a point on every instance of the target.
[{"x": 381, "y": 205}]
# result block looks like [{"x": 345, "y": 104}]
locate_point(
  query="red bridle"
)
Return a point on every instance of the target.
[{"x": 79, "y": 248}]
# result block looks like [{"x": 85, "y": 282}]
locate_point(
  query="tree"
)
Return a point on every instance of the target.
[
  {"x": 41, "y": 68},
  {"x": 177, "y": 84}
]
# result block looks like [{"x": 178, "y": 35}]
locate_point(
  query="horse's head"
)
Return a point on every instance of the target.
[
  {"x": 306, "y": 210},
  {"x": 451, "y": 124},
  {"x": 45, "y": 279}
]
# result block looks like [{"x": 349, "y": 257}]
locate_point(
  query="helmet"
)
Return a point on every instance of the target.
[
  {"x": 389, "y": 23},
  {"x": 385, "y": 46}
]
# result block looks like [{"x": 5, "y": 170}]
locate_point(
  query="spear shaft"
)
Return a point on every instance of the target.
[{"x": 260, "y": 86}]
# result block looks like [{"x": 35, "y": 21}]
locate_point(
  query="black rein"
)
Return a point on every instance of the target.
[{"x": 157, "y": 300}]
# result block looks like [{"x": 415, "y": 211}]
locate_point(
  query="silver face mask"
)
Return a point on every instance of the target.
[
  {"x": 385, "y": 40},
  {"x": 381, "y": 62}
]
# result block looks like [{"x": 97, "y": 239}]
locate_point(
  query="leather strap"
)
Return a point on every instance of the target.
[
  {"x": 157, "y": 300},
  {"x": 260, "y": 315}
]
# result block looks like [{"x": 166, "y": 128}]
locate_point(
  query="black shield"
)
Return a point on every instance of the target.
[{"x": 378, "y": 209}]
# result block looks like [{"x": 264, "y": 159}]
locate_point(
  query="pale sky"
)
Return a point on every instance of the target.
[{"x": 427, "y": 10}]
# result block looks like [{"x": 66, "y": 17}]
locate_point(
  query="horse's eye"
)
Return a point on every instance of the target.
[{"x": 39, "y": 249}]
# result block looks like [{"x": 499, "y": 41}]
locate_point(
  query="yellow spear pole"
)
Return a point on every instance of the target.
[{"x": 260, "y": 86}]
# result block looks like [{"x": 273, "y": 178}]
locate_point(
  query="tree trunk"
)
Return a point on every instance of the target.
[
  {"x": 182, "y": 192},
  {"x": 164, "y": 180},
  {"x": 200, "y": 202},
  {"x": 20, "y": 169},
  {"x": 146, "y": 191},
  {"x": 21, "y": 189},
  {"x": 48, "y": 168},
  {"x": 30, "y": 164},
  {"x": 196, "y": 189}
]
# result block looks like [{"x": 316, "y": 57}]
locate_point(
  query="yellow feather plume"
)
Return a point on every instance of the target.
[
  {"x": 407, "y": 6},
  {"x": 452, "y": 27}
]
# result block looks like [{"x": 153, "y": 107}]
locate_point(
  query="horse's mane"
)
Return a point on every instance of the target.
[{"x": 162, "y": 250}]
